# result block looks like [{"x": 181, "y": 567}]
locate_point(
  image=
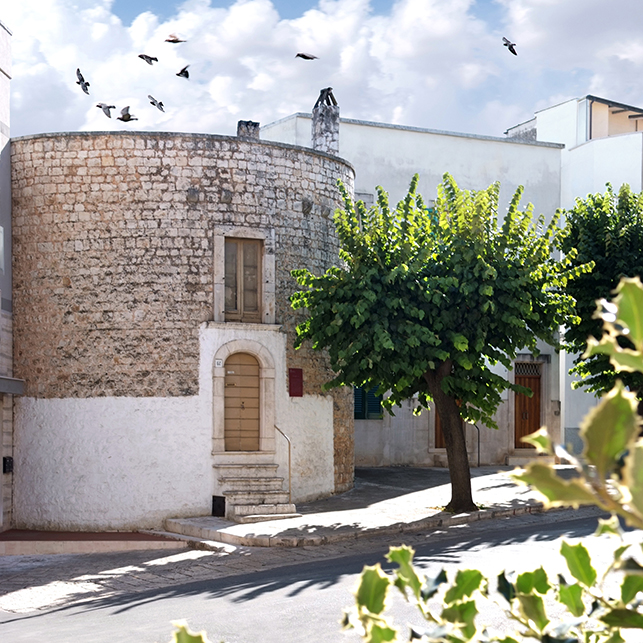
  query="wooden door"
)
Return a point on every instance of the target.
[
  {"x": 241, "y": 403},
  {"x": 527, "y": 412},
  {"x": 439, "y": 433}
]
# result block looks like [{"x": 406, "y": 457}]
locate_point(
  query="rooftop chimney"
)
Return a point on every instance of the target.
[
  {"x": 248, "y": 130},
  {"x": 325, "y": 126}
]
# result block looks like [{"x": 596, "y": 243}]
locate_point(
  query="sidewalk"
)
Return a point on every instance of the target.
[{"x": 384, "y": 501}]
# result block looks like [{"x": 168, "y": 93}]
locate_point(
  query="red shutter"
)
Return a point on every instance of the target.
[{"x": 296, "y": 382}]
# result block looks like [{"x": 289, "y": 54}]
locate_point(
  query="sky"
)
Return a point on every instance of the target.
[{"x": 438, "y": 64}]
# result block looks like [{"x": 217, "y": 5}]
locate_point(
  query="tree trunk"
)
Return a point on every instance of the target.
[{"x": 453, "y": 429}]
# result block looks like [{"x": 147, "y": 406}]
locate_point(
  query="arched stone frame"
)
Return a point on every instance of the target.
[
  {"x": 267, "y": 236},
  {"x": 266, "y": 393}
]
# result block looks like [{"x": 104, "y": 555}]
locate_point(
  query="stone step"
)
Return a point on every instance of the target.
[
  {"x": 243, "y": 483},
  {"x": 256, "y": 497},
  {"x": 263, "y": 517},
  {"x": 233, "y": 512},
  {"x": 255, "y": 470}
]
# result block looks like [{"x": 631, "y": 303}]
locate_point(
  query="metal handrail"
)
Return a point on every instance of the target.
[{"x": 289, "y": 464}]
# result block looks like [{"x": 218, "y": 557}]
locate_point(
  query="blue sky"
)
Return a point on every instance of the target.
[{"x": 428, "y": 63}]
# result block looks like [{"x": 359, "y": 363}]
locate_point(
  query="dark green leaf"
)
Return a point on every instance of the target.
[
  {"x": 572, "y": 597},
  {"x": 372, "y": 589},
  {"x": 507, "y": 589},
  {"x": 533, "y": 609},
  {"x": 466, "y": 582},
  {"x": 623, "y": 618},
  {"x": 579, "y": 563},
  {"x": 630, "y": 587}
]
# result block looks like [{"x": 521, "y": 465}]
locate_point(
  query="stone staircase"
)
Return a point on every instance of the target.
[{"x": 253, "y": 492}]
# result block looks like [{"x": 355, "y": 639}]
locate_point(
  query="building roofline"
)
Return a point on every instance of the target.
[
  {"x": 613, "y": 103},
  {"x": 6, "y": 28},
  {"x": 409, "y": 128},
  {"x": 223, "y": 137}
]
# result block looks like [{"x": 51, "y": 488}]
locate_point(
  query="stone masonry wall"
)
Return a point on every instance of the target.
[{"x": 113, "y": 256}]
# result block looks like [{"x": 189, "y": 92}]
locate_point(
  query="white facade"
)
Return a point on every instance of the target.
[
  {"x": 564, "y": 152},
  {"x": 101, "y": 487}
]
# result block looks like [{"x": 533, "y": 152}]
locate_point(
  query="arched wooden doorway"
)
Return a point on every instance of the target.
[{"x": 241, "y": 432}]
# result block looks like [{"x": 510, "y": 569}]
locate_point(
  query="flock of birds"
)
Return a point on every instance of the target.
[
  {"x": 125, "y": 114},
  {"x": 174, "y": 39}
]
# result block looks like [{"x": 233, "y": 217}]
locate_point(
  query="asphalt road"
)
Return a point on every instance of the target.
[{"x": 301, "y": 602}]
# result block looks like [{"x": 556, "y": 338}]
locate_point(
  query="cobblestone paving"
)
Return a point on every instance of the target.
[{"x": 34, "y": 583}]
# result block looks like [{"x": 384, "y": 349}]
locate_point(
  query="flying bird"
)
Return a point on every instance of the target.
[
  {"x": 126, "y": 116},
  {"x": 156, "y": 103},
  {"x": 173, "y": 38},
  {"x": 82, "y": 82},
  {"x": 184, "y": 73},
  {"x": 148, "y": 59},
  {"x": 511, "y": 46},
  {"x": 305, "y": 56},
  {"x": 106, "y": 109}
]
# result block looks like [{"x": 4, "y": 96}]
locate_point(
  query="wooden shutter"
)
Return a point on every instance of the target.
[{"x": 243, "y": 280}]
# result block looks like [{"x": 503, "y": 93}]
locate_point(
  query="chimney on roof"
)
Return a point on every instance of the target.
[
  {"x": 325, "y": 125},
  {"x": 248, "y": 130}
]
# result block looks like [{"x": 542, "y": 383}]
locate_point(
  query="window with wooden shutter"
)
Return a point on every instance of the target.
[
  {"x": 368, "y": 406},
  {"x": 243, "y": 280}
]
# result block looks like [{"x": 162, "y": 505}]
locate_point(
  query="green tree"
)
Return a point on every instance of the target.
[
  {"x": 590, "y": 605},
  {"x": 608, "y": 230},
  {"x": 428, "y": 300}
]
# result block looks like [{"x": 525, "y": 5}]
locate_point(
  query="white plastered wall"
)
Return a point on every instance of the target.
[{"x": 128, "y": 463}]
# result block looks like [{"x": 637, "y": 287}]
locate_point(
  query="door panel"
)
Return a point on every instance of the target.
[
  {"x": 241, "y": 403},
  {"x": 527, "y": 409}
]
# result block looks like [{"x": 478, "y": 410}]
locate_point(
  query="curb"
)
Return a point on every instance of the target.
[{"x": 217, "y": 537}]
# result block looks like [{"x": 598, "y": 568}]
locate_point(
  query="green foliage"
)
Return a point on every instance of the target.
[
  {"x": 419, "y": 288},
  {"x": 609, "y": 475},
  {"x": 606, "y": 229},
  {"x": 183, "y": 634}
]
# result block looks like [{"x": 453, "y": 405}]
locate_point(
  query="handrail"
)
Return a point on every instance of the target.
[{"x": 289, "y": 464}]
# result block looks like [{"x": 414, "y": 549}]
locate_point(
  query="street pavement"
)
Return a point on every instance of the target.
[{"x": 387, "y": 507}]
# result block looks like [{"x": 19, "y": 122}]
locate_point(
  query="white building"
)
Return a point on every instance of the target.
[{"x": 565, "y": 151}]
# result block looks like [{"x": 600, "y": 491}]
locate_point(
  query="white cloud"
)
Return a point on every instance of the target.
[{"x": 430, "y": 63}]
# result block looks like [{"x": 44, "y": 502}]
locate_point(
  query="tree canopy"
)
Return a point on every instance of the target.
[
  {"x": 608, "y": 230},
  {"x": 428, "y": 300}
]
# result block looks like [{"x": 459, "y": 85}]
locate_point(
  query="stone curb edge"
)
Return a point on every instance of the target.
[{"x": 216, "y": 538}]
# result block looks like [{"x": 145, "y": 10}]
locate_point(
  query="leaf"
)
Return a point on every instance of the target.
[
  {"x": 432, "y": 585},
  {"x": 372, "y": 589},
  {"x": 466, "y": 582},
  {"x": 629, "y": 302},
  {"x": 183, "y": 635},
  {"x": 623, "y": 618},
  {"x": 610, "y": 526},
  {"x": 541, "y": 440},
  {"x": 463, "y": 614},
  {"x": 406, "y": 575},
  {"x": 608, "y": 429},
  {"x": 533, "y": 609},
  {"x": 579, "y": 563},
  {"x": 556, "y": 491},
  {"x": 633, "y": 476},
  {"x": 630, "y": 587},
  {"x": 507, "y": 589},
  {"x": 528, "y": 581},
  {"x": 379, "y": 633},
  {"x": 572, "y": 597}
]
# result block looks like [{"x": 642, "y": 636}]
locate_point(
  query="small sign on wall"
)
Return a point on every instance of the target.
[
  {"x": 218, "y": 363},
  {"x": 296, "y": 382}
]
